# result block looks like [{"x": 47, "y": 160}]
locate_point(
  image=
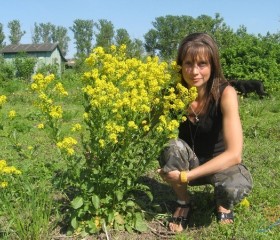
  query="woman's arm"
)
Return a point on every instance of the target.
[{"x": 233, "y": 138}]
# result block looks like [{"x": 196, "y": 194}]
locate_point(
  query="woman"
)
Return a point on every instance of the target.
[{"x": 209, "y": 146}]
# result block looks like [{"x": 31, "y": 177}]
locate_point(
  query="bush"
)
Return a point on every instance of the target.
[{"x": 7, "y": 70}]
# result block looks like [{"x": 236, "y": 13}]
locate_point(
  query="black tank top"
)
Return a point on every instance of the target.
[{"x": 206, "y": 137}]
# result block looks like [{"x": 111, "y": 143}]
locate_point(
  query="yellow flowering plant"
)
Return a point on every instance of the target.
[
  {"x": 6, "y": 172},
  {"x": 46, "y": 89},
  {"x": 3, "y": 100},
  {"x": 131, "y": 109}
]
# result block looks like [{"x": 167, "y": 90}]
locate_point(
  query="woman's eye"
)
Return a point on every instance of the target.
[
  {"x": 202, "y": 65},
  {"x": 188, "y": 64}
]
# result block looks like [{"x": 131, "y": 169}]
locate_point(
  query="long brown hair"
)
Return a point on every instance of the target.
[{"x": 195, "y": 44}]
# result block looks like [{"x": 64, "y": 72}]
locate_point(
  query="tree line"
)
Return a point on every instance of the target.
[{"x": 244, "y": 55}]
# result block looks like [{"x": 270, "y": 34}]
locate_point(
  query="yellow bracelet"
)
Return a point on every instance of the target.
[{"x": 184, "y": 177}]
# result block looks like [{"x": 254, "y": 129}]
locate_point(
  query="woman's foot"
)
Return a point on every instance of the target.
[
  {"x": 225, "y": 216},
  {"x": 180, "y": 217}
]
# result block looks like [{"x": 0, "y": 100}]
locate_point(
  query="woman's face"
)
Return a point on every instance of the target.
[{"x": 196, "y": 71}]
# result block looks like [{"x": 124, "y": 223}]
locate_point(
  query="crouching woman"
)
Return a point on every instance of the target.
[{"x": 209, "y": 146}]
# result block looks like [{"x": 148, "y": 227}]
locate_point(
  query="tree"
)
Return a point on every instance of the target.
[
  {"x": 134, "y": 48},
  {"x": 36, "y": 36},
  {"x": 49, "y": 33},
  {"x": 105, "y": 34},
  {"x": 122, "y": 37},
  {"x": 60, "y": 35},
  {"x": 83, "y": 35},
  {"x": 137, "y": 49},
  {"x": 15, "y": 32},
  {"x": 164, "y": 38},
  {"x": 151, "y": 42},
  {"x": 2, "y": 36},
  {"x": 167, "y": 33},
  {"x": 252, "y": 57},
  {"x": 46, "y": 31}
]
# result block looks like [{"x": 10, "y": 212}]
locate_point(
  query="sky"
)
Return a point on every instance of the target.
[{"x": 258, "y": 16}]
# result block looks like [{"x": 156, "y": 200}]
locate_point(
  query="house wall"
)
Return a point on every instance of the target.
[
  {"x": 46, "y": 58},
  {"x": 50, "y": 58}
]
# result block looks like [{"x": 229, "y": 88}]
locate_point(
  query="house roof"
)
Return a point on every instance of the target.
[{"x": 31, "y": 48}]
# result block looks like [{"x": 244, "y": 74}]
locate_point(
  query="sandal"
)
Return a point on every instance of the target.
[
  {"x": 180, "y": 220},
  {"x": 223, "y": 217}
]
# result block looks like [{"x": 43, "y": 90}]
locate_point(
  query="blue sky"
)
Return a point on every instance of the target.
[{"x": 258, "y": 16}]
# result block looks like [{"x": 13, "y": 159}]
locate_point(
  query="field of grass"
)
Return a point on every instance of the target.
[{"x": 33, "y": 209}]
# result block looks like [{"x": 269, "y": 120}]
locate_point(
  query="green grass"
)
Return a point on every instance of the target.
[{"x": 32, "y": 208}]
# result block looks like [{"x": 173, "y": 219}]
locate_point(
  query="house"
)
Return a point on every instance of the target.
[{"x": 46, "y": 54}]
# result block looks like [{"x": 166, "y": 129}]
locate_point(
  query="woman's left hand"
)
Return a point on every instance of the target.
[{"x": 170, "y": 177}]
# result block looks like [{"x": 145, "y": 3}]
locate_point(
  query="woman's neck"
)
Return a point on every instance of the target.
[{"x": 200, "y": 94}]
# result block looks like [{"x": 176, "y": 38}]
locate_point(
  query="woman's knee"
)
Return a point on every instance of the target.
[{"x": 177, "y": 155}]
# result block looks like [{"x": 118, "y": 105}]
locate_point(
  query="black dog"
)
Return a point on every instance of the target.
[{"x": 248, "y": 86}]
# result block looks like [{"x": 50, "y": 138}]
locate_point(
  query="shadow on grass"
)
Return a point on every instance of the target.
[{"x": 202, "y": 202}]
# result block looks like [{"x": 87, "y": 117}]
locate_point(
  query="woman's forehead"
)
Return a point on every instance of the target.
[
  {"x": 197, "y": 54},
  {"x": 197, "y": 57}
]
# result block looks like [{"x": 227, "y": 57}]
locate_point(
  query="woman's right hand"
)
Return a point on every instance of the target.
[{"x": 170, "y": 177}]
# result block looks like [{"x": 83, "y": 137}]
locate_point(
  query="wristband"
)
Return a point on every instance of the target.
[{"x": 183, "y": 177}]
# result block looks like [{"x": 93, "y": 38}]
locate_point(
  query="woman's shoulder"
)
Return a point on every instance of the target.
[
  {"x": 228, "y": 91},
  {"x": 229, "y": 98}
]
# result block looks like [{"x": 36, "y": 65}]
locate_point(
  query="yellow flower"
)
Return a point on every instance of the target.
[
  {"x": 245, "y": 203},
  {"x": 3, "y": 100},
  {"x": 113, "y": 48},
  {"x": 4, "y": 168},
  {"x": 3, "y": 164},
  {"x": 70, "y": 151},
  {"x": 172, "y": 125},
  {"x": 3, "y": 184},
  {"x": 113, "y": 137},
  {"x": 172, "y": 136},
  {"x": 41, "y": 126},
  {"x": 12, "y": 114},
  {"x": 102, "y": 143},
  {"x": 34, "y": 86},
  {"x": 67, "y": 145},
  {"x": 131, "y": 124},
  {"x": 160, "y": 129},
  {"x": 97, "y": 222},
  {"x": 85, "y": 116},
  {"x": 156, "y": 100},
  {"x": 56, "y": 112},
  {"x": 118, "y": 88},
  {"x": 59, "y": 87},
  {"x": 76, "y": 127},
  {"x": 146, "y": 128},
  {"x": 162, "y": 119}
]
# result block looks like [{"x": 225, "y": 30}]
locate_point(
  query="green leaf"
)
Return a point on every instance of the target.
[
  {"x": 119, "y": 195},
  {"x": 119, "y": 219},
  {"x": 110, "y": 217},
  {"x": 95, "y": 201},
  {"x": 92, "y": 226},
  {"x": 150, "y": 195},
  {"x": 130, "y": 204},
  {"x": 139, "y": 224},
  {"x": 74, "y": 223},
  {"x": 77, "y": 202},
  {"x": 128, "y": 228}
]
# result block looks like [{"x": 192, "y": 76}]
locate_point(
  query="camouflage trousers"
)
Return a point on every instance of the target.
[{"x": 230, "y": 185}]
